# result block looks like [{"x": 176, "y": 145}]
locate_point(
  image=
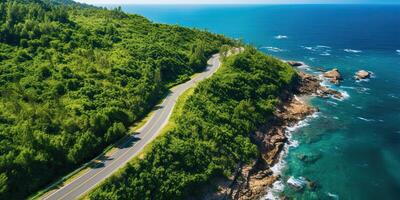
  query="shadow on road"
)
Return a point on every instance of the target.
[{"x": 129, "y": 143}]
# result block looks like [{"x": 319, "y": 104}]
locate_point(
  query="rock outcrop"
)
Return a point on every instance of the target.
[
  {"x": 251, "y": 181},
  {"x": 362, "y": 74},
  {"x": 334, "y": 76},
  {"x": 311, "y": 85}
]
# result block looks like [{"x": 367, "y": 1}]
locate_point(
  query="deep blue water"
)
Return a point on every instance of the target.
[{"x": 356, "y": 142}]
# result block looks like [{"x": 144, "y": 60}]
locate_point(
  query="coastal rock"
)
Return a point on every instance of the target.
[
  {"x": 295, "y": 111},
  {"x": 295, "y": 63},
  {"x": 271, "y": 156},
  {"x": 262, "y": 174},
  {"x": 326, "y": 92},
  {"x": 278, "y": 138},
  {"x": 334, "y": 76},
  {"x": 362, "y": 74},
  {"x": 309, "y": 84}
]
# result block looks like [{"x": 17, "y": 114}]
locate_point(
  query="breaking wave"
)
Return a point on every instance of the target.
[
  {"x": 334, "y": 196},
  {"x": 322, "y": 50},
  {"x": 273, "y": 49},
  {"x": 352, "y": 51},
  {"x": 365, "y": 119},
  {"x": 280, "y": 37}
]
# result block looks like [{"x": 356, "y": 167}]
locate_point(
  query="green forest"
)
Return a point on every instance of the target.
[
  {"x": 74, "y": 77},
  {"x": 211, "y": 135}
]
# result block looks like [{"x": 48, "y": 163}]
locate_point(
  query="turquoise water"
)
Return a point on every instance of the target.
[{"x": 354, "y": 143}]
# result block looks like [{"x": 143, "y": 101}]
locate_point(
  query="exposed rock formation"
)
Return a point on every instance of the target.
[
  {"x": 362, "y": 74},
  {"x": 311, "y": 85},
  {"x": 334, "y": 76}
]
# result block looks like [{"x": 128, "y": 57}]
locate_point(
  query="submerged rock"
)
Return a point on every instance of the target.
[
  {"x": 362, "y": 74},
  {"x": 295, "y": 63},
  {"x": 334, "y": 76},
  {"x": 312, "y": 185},
  {"x": 308, "y": 158}
]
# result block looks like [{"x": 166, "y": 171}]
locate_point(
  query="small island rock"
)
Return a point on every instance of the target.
[
  {"x": 334, "y": 76},
  {"x": 362, "y": 74}
]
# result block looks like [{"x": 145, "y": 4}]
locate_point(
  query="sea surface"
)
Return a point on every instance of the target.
[{"x": 351, "y": 148}]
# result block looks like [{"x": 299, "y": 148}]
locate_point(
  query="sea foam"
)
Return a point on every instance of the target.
[
  {"x": 334, "y": 196},
  {"x": 322, "y": 50},
  {"x": 280, "y": 37},
  {"x": 325, "y": 54},
  {"x": 273, "y": 49},
  {"x": 352, "y": 51},
  {"x": 365, "y": 119}
]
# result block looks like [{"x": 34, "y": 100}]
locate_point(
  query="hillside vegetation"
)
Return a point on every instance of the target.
[
  {"x": 74, "y": 77},
  {"x": 211, "y": 136}
]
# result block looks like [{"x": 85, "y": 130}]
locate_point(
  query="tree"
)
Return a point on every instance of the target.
[
  {"x": 197, "y": 56},
  {"x": 3, "y": 183}
]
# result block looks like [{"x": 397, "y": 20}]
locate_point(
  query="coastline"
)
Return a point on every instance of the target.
[{"x": 255, "y": 180}]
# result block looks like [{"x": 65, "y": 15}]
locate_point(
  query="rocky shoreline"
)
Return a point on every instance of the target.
[{"x": 250, "y": 181}]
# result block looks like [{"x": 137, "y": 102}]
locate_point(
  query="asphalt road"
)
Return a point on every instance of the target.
[{"x": 133, "y": 144}]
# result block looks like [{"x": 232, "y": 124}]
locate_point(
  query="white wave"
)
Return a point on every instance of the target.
[
  {"x": 334, "y": 196},
  {"x": 280, "y": 37},
  {"x": 297, "y": 182},
  {"x": 320, "y": 49},
  {"x": 297, "y": 126},
  {"x": 347, "y": 87},
  {"x": 365, "y": 119},
  {"x": 393, "y": 96},
  {"x": 325, "y": 54},
  {"x": 398, "y": 52},
  {"x": 273, "y": 49},
  {"x": 331, "y": 102},
  {"x": 274, "y": 191},
  {"x": 308, "y": 48},
  {"x": 335, "y": 117},
  {"x": 311, "y": 58},
  {"x": 352, "y": 51},
  {"x": 345, "y": 95},
  {"x": 323, "y": 46}
]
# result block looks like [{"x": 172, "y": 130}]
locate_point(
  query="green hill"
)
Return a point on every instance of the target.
[
  {"x": 211, "y": 137},
  {"x": 74, "y": 77}
]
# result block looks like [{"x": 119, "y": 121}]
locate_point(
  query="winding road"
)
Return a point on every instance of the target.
[{"x": 132, "y": 145}]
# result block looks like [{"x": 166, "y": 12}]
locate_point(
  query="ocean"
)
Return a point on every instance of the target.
[{"x": 352, "y": 146}]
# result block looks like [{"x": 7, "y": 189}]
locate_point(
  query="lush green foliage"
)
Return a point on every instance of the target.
[
  {"x": 211, "y": 137},
  {"x": 73, "y": 77}
]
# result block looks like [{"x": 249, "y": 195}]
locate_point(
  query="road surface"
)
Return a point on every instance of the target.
[{"x": 133, "y": 144}]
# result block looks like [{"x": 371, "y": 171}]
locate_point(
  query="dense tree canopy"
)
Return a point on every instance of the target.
[
  {"x": 73, "y": 77},
  {"x": 211, "y": 136}
]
